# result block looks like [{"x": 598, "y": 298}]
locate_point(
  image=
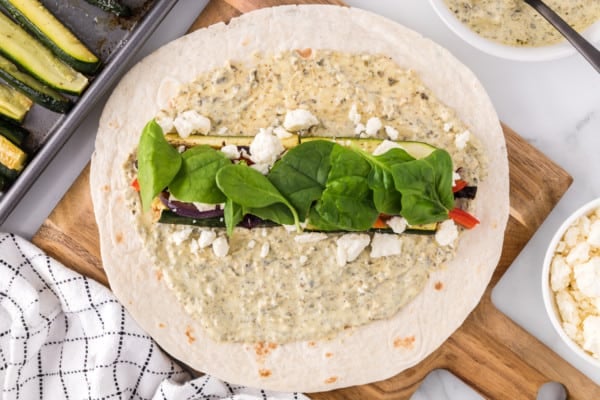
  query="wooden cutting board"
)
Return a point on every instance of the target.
[{"x": 489, "y": 352}]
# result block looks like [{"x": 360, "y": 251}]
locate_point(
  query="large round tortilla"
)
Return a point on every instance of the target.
[{"x": 356, "y": 356}]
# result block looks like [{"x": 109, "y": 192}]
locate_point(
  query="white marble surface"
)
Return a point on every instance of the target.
[{"x": 555, "y": 105}]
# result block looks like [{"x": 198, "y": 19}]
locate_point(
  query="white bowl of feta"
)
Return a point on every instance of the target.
[
  {"x": 571, "y": 281},
  {"x": 505, "y": 28}
]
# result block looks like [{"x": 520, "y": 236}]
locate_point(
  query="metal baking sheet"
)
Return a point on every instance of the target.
[{"x": 115, "y": 40}]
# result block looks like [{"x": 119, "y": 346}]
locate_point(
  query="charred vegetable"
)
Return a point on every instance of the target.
[
  {"x": 14, "y": 105},
  {"x": 33, "y": 57},
  {"x": 34, "y": 89},
  {"x": 39, "y": 21}
]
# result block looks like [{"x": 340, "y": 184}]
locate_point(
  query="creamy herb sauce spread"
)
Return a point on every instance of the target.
[
  {"x": 298, "y": 291},
  {"x": 515, "y": 23}
]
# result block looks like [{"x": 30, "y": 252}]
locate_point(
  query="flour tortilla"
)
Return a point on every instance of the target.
[{"x": 369, "y": 353}]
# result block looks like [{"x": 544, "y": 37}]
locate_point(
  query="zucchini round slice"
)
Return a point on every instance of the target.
[{"x": 39, "y": 21}]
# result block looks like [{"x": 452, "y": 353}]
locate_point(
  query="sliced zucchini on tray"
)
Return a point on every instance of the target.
[
  {"x": 34, "y": 89},
  {"x": 13, "y": 132},
  {"x": 39, "y": 21},
  {"x": 12, "y": 157},
  {"x": 23, "y": 49},
  {"x": 13, "y": 104}
]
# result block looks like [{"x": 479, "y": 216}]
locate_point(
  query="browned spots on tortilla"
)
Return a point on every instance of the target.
[
  {"x": 328, "y": 354},
  {"x": 106, "y": 188},
  {"x": 304, "y": 53},
  {"x": 264, "y": 373},
  {"x": 159, "y": 274},
  {"x": 263, "y": 349},
  {"x": 405, "y": 343},
  {"x": 161, "y": 325},
  {"x": 331, "y": 379},
  {"x": 438, "y": 285},
  {"x": 188, "y": 333},
  {"x": 119, "y": 237},
  {"x": 312, "y": 344}
]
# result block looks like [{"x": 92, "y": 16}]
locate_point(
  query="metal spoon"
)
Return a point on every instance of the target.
[{"x": 579, "y": 42}]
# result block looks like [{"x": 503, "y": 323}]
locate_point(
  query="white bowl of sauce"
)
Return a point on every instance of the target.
[
  {"x": 570, "y": 289},
  {"x": 513, "y": 30}
]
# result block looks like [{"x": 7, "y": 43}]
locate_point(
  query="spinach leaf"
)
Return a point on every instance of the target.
[
  {"x": 195, "y": 181},
  {"x": 301, "y": 174},
  {"x": 158, "y": 163},
  {"x": 277, "y": 212},
  {"x": 386, "y": 198},
  {"x": 426, "y": 187},
  {"x": 346, "y": 203},
  {"x": 233, "y": 215},
  {"x": 254, "y": 192}
]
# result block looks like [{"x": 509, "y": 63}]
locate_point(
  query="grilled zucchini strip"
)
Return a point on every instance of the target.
[{"x": 40, "y": 22}]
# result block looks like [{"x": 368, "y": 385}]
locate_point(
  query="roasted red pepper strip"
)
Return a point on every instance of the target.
[
  {"x": 463, "y": 218},
  {"x": 459, "y": 185},
  {"x": 381, "y": 222},
  {"x": 135, "y": 184}
]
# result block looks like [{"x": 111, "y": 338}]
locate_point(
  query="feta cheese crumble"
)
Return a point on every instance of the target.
[
  {"x": 575, "y": 282},
  {"x": 384, "y": 244},
  {"x": 206, "y": 238},
  {"x": 264, "y": 250},
  {"x": 349, "y": 247},
  {"x": 373, "y": 126},
  {"x": 180, "y": 235},
  {"x": 587, "y": 277},
  {"x": 353, "y": 115},
  {"x": 298, "y": 120},
  {"x": 446, "y": 233},
  {"x": 265, "y": 149},
  {"x": 391, "y": 132},
  {"x": 591, "y": 334},
  {"x": 166, "y": 123},
  {"x": 398, "y": 224},
  {"x": 461, "y": 139},
  {"x": 231, "y": 151},
  {"x": 220, "y": 247},
  {"x": 189, "y": 122}
]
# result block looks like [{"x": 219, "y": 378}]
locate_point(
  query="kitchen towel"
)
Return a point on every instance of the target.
[{"x": 64, "y": 336}]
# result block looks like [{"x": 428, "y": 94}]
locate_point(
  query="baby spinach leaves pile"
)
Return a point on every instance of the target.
[{"x": 333, "y": 186}]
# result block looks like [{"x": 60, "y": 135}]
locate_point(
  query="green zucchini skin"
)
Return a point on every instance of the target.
[
  {"x": 32, "y": 88},
  {"x": 169, "y": 217},
  {"x": 112, "y": 6},
  {"x": 22, "y": 15},
  {"x": 4, "y": 182},
  {"x": 9, "y": 174},
  {"x": 14, "y": 105},
  {"x": 13, "y": 132},
  {"x": 30, "y": 55}
]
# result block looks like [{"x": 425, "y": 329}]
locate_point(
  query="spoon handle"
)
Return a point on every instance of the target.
[{"x": 579, "y": 42}]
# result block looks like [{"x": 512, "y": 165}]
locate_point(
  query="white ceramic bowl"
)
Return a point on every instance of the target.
[
  {"x": 548, "y": 295},
  {"x": 544, "y": 53}
]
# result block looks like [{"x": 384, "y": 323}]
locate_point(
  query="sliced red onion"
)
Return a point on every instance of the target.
[{"x": 188, "y": 209}]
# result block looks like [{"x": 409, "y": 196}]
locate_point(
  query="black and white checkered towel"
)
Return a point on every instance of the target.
[{"x": 64, "y": 336}]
